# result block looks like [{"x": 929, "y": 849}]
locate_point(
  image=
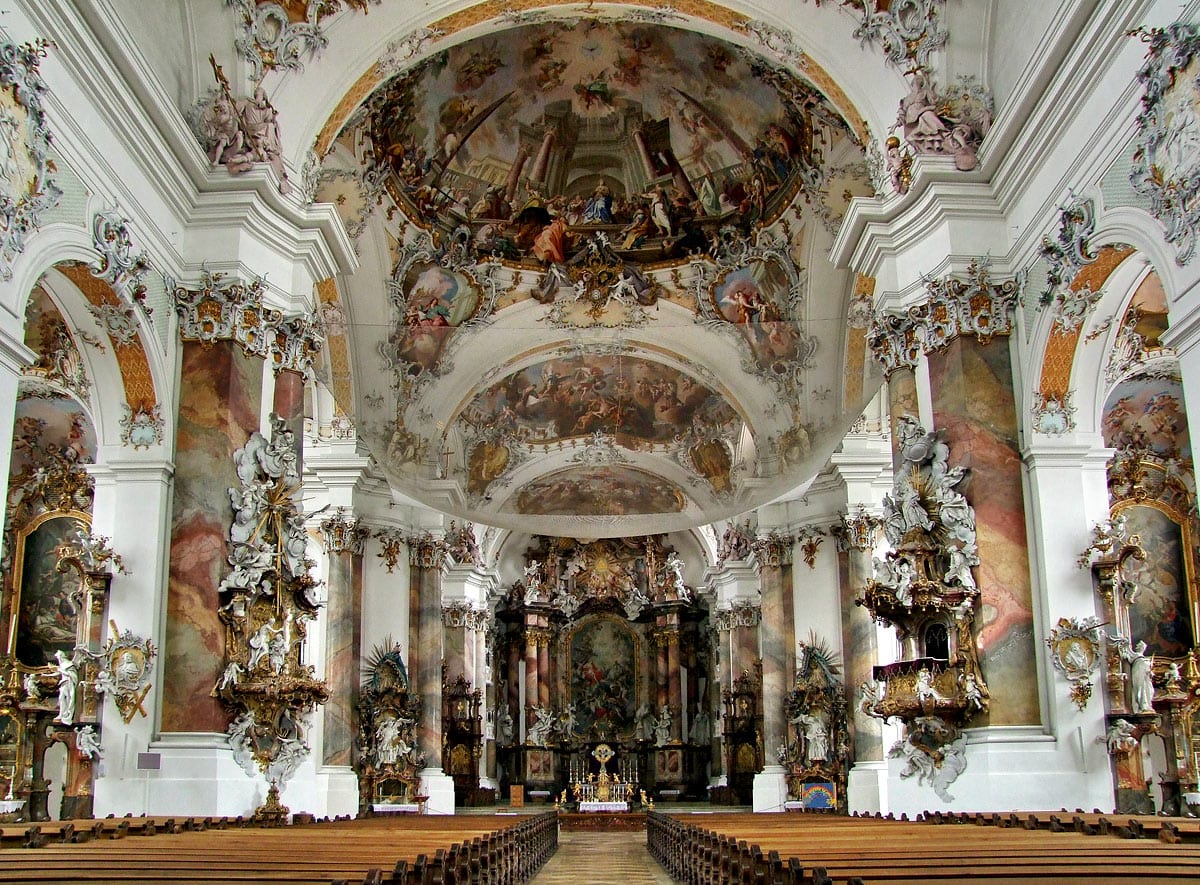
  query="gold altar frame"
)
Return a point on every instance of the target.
[
  {"x": 18, "y": 573},
  {"x": 1187, "y": 553}
]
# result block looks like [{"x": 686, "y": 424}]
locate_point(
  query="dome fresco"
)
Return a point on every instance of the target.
[{"x": 606, "y": 289}]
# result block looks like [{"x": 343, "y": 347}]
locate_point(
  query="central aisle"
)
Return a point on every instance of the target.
[{"x": 587, "y": 857}]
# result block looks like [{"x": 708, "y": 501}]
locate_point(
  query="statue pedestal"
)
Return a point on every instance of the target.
[
  {"x": 438, "y": 788},
  {"x": 770, "y": 789}
]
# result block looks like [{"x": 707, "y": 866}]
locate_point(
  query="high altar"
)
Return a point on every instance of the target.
[{"x": 605, "y": 669}]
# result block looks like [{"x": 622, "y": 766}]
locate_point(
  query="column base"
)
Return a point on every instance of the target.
[
  {"x": 770, "y": 789},
  {"x": 196, "y": 777},
  {"x": 866, "y": 787},
  {"x": 337, "y": 785},
  {"x": 439, "y": 788}
]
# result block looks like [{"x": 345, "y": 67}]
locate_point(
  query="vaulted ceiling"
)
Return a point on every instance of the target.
[{"x": 594, "y": 294}]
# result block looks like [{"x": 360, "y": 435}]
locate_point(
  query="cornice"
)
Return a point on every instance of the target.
[
  {"x": 1082, "y": 45},
  {"x": 875, "y": 233},
  {"x": 96, "y": 51}
]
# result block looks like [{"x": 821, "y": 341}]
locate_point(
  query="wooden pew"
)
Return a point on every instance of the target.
[
  {"x": 747, "y": 848},
  {"x": 410, "y": 851}
]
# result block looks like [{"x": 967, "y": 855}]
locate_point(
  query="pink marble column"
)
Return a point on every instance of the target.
[
  {"x": 426, "y": 556},
  {"x": 532, "y": 694},
  {"x": 856, "y": 536},
  {"x": 514, "y": 682},
  {"x": 220, "y": 400},
  {"x": 344, "y": 539},
  {"x": 973, "y": 401},
  {"x": 775, "y": 560},
  {"x": 663, "y": 695},
  {"x": 288, "y": 404},
  {"x": 674, "y": 695},
  {"x": 545, "y": 677}
]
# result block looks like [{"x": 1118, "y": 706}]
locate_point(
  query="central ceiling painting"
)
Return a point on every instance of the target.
[
  {"x": 606, "y": 305},
  {"x": 647, "y": 133}
]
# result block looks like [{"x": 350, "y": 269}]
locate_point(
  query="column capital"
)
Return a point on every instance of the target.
[
  {"x": 857, "y": 530},
  {"x": 741, "y": 613},
  {"x": 774, "y": 549},
  {"x": 955, "y": 307},
  {"x": 344, "y": 534},
  {"x": 426, "y": 551},
  {"x": 223, "y": 308},
  {"x": 458, "y": 613}
]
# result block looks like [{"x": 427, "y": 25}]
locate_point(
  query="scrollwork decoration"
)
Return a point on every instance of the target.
[
  {"x": 272, "y": 39},
  {"x": 27, "y": 190},
  {"x": 1166, "y": 163}
]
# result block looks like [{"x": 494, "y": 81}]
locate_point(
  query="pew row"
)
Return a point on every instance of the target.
[
  {"x": 716, "y": 849},
  {"x": 497, "y": 850}
]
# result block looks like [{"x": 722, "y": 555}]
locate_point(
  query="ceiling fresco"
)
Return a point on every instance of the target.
[
  {"x": 609, "y": 491},
  {"x": 648, "y": 134},
  {"x": 638, "y": 401},
  {"x": 603, "y": 288}
]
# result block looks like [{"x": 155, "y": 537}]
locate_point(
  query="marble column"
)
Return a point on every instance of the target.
[
  {"x": 545, "y": 677},
  {"x": 345, "y": 538},
  {"x": 532, "y": 694},
  {"x": 719, "y": 638},
  {"x": 856, "y": 535},
  {"x": 426, "y": 558},
  {"x": 220, "y": 406},
  {"x": 775, "y": 632},
  {"x": 662, "y": 697},
  {"x": 288, "y": 403},
  {"x": 774, "y": 556},
  {"x": 513, "y": 683},
  {"x": 14, "y": 355}
]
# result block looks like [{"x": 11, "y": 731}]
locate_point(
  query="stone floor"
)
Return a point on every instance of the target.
[{"x": 590, "y": 857}]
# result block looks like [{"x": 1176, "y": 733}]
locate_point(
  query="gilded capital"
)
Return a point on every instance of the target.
[
  {"x": 774, "y": 550},
  {"x": 225, "y": 309},
  {"x": 974, "y": 306},
  {"x": 344, "y": 535},
  {"x": 426, "y": 551},
  {"x": 856, "y": 531}
]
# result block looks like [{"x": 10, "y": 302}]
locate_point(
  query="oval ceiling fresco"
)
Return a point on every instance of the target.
[{"x": 602, "y": 285}]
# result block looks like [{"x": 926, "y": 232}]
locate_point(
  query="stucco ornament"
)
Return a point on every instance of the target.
[
  {"x": 1166, "y": 164},
  {"x": 1066, "y": 255},
  {"x": 125, "y": 667},
  {"x": 1075, "y": 652},
  {"x": 1053, "y": 414},
  {"x": 280, "y": 36},
  {"x": 908, "y": 31},
  {"x": 27, "y": 190}
]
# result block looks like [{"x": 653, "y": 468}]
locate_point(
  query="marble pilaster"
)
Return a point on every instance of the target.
[
  {"x": 344, "y": 542},
  {"x": 219, "y": 407},
  {"x": 857, "y": 534}
]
